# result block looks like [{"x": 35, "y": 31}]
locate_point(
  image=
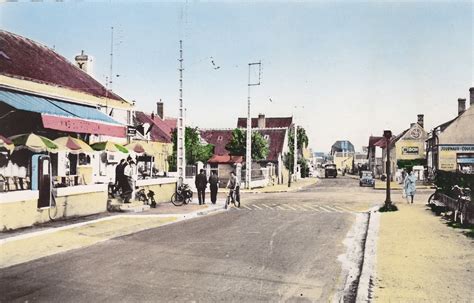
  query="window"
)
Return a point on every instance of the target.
[{"x": 219, "y": 138}]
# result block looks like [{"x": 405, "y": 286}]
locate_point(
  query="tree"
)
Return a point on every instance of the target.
[
  {"x": 195, "y": 151},
  {"x": 237, "y": 145},
  {"x": 302, "y": 142}
]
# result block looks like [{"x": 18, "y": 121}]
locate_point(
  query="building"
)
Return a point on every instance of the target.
[
  {"x": 374, "y": 160},
  {"x": 451, "y": 144},
  {"x": 266, "y": 122},
  {"x": 223, "y": 162},
  {"x": 158, "y": 131},
  {"x": 407, "y": 150},
  {"x": 343, "y": 146}
]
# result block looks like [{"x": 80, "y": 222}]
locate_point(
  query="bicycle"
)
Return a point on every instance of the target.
[
  {"x": 146, "y": 198},
  {"x": 463, "y": 200},
  {"x": 183, "y": 195},
  {"x": 231, "y": 197}
]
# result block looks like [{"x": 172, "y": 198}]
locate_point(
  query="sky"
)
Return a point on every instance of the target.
[{"x": 345, "y": 70}]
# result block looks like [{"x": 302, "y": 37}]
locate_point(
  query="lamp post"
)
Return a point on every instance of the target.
[{"x": 388, "y": 135}]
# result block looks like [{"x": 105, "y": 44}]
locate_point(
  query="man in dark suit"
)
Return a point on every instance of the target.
[
  {"x": 214, "y": 185},
  {"x": 201, "y": 184}
]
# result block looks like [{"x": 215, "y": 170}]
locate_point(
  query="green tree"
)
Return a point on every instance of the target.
[
  {"x": 288, "y": 159},
  {"x": 237, "y": 145},
  {"x": 195, "y": 151}
]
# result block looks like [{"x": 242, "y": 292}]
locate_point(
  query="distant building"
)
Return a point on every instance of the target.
[
  {"x": 374, "y": 161},
  {"x": 343, "y": 146},
  {"x": 266, "y": 122}
]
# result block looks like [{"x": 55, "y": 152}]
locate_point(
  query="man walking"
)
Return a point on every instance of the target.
[
  {"x": 214, "y": 185},
  {"x": 201, "y": 184}
]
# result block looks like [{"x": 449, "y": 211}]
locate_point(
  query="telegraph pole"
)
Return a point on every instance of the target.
[
  {"x": 295, "y": 151},
  {"x": 248, "y": 155},
  {"x": 181, "y": 148}
]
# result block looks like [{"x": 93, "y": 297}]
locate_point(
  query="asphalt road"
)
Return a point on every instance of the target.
[{"x": 277, "y": 247}]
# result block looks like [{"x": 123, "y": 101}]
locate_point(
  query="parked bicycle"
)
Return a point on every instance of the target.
[
  {"x": 146, "y": 198},
  {"x": 461, "y": 212},
  {"x": 231, "y": 197},
  {"x": 183, "y": 195}
]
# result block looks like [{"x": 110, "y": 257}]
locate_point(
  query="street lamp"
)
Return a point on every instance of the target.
[{"x": 388, "y": 135}]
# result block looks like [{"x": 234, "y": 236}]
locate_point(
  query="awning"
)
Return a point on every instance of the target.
[{"x": 65, "y": 116}]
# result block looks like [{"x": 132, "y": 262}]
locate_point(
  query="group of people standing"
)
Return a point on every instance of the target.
[
  {"x": 124, "y": 178},
  {"x": 201, "y": 185}
]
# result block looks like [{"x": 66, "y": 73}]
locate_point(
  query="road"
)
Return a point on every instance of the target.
[{"x": 277, "y": 247}]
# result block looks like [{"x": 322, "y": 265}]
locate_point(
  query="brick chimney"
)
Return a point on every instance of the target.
[
  {"x": 421, "y": 120},
  {"x": 471, "y": 96},
  {"x": 160, "y": 109},
  {"x": 461, "y": 105},
  {"x": 261, "y": 121}
]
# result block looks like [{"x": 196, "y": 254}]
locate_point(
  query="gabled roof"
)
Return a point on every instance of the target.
[
  {"x": 220, "y": 137},
  {"x": 373, "y": 140},
  {"x": 160, "y": 131},
  {"x": 26, "y": 59},
  {"x": 270, "y": 122}
]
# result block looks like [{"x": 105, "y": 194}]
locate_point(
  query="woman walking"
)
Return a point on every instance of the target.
[{"x": 409, "y": 185}]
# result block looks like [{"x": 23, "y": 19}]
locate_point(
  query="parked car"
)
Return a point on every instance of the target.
[
  {"x": 330, "y": 170},
  {"x": 366, "y": 179}
]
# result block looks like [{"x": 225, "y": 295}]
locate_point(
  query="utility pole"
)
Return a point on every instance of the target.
[
  {"x": 248, "y": 155},
  {"x": 295, "y": 152},
  {"x": 388, "y": 135},
  {"x": 181, "y": 148}
]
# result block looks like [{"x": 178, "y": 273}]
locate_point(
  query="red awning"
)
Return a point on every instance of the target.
[{"x": 77, "y": 125}]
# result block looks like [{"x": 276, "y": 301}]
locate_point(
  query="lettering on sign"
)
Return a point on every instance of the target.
[
  {"x": 457, "y": 148},
  {"x": 410, "y": 150}
]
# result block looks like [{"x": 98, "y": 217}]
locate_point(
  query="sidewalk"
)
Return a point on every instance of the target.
[
  {"x": 29, "y": 244},
  {"x": 281, "y": 188},
  {"x": 421, "y": 259}
]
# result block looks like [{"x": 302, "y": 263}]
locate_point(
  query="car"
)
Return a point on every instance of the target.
[
  {"x": 330, "y": 170},
  {"x": 367, "y": 179}
]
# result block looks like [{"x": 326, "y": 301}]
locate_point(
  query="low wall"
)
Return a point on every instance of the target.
[
  {"x": 163, "y": 188},
  {"x": 20, "y": 209}
]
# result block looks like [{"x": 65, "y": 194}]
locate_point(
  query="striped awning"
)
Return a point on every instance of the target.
[{"x": 65, "y": 116}]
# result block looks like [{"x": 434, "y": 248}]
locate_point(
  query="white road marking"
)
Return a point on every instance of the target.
[
  {"x": 324, "y": 209},
  {"x": 332, "y": 208},
  {"x": 344, "y": 209},
  {"x": 279, "y": 207},
  {"x": 256, "y": 207},
  {"x": 246, "y": 207},
  {"x": 313, "y": 208},
  {"x": 267, "y": 206},
  {"x": 289, "y": 207}
]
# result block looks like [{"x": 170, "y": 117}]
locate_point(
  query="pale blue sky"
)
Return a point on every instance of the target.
[{"x": 357, "y": 68}]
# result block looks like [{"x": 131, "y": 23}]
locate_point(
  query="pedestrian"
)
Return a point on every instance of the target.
[
  {"x": 201, "y": 184},
  {"x": 409, "y": 185},
  {"x": 234, "y": 186},
  {"x": 119, "y": 176},
  {"x": 214, "y": 185},
  {"x": 128, "y": 172}
]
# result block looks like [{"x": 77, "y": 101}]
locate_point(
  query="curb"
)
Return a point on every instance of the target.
[{"x": 369, "y": 257}]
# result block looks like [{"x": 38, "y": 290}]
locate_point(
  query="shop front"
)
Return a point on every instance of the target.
[{"x": 456, "y": 157}]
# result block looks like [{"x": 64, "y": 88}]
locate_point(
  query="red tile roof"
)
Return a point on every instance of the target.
[
  {"x": 160, "y": 131},
  {"x": 26, "y": 59},
  {"x": 226, "y": 159},
  {"x": 220, "y": 137},
  {"x": 373, "y": 140},
  {"x": 270, "y": 122}
]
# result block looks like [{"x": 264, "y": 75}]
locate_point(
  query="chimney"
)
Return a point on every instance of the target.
[
  {"x": 160, "y": 109},
  {"x": 471, "y": 96},
  {"x": 462, "y": 105},
  {"x": 84, "y": 62},
  {"x": 421, "y": 120},
  {"x": 261, "y": 121}
]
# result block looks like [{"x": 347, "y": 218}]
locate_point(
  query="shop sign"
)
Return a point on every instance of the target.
[
  {"x": 131, "y": 131},
  {"x": 410, "y": 150},
  {"x": 456, "y": 148},
  {"x": 448, "y": 156}
]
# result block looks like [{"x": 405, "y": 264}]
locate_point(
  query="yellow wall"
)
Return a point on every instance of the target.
[
  {"x": 163, "y": 150},
  {"x": 163, "y": 192},
  {"x": 86, "y": 173},
  {"x": 403, "y": 146},
  {"x": 25, "y": 213},
  {"x": 343, "y": 162}
]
